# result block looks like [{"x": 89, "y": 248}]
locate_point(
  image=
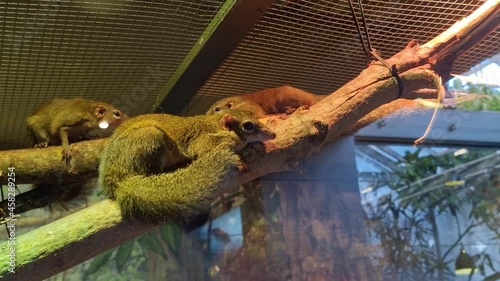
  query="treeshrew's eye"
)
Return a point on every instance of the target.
[{"x": 248, "y": 126}]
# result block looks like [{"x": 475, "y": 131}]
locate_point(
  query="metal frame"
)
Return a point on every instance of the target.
[
  {"x": 452, "y": 127},
  {"x": 236, "y": 23}
]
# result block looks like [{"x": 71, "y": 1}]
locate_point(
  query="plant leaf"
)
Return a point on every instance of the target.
[
  {"x": 97, "y": 263},
  {"x": 123, "y": 254},
  {"x": 172, "y": 235},
  {"x": 152, "y": 243}
]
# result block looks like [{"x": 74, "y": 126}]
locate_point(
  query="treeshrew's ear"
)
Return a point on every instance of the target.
[{"x": 227, "y": 121}]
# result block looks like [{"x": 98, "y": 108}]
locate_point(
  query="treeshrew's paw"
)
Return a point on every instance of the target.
[{"x": 41, "y": 145}]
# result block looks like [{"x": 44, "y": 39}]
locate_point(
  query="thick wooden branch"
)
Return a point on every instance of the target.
[
  {"x": 73, "y": 239},
  {"x": 47, "y": 165},
  {"x": 305, "y": 131}
]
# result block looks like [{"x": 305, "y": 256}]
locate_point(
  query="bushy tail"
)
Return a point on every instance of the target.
[
  {"x": 136, "y": 151},
  {"x": 180, "y": 195}
]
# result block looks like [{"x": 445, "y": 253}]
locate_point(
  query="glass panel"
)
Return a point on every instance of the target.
[{"x": 427, "y": 206}]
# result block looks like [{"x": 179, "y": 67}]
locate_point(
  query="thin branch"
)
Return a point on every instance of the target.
[{"x": 460, "y": 236}]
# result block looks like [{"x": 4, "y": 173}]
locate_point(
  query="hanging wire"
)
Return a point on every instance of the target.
[{"x": 369, "y": 50}]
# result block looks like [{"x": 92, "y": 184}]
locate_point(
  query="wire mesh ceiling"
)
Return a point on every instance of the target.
[
  {"x": 124, "y": 51},
  {"x": 121, "y": 52},
  {"x": 313, "y": 45}
]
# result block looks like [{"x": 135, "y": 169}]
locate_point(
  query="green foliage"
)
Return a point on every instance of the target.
[
  {"x": 97, "y": 263},
  {"x": 172, "y": 235},
  {"x": 123, "y": 254},
  {"x": 491, "y": 101},
  {"x": 405, "y": 219},
  {"x": 128, "y": 259},
  {"x": 152, "y": 244}
]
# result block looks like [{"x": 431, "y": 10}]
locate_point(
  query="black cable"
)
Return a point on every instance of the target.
[
  {"x": 372, "y": 51},
  {"x": 365, "y": 26},
  {"x": 358, "y": 28}
]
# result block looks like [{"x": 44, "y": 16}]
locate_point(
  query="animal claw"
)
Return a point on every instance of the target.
[
  {"x": 41, "y": 145},
  {"x": 67, "y": 155}
]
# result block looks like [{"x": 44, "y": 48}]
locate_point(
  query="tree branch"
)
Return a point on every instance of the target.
[
  {"x": 47, "y": 165},
  {"x": 69, "y": 241}
]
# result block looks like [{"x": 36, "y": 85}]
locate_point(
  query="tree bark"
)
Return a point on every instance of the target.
[
  {"x": 80, "y": 236},
  {"x": 69, "y": 241},
  {"x": 47, "y": 165}
]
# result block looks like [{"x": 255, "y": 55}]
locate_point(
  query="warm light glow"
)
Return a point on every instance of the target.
[
  {"x": 366, "y": 190},
  {"x": 103, "y": 125},
  {"x": 454, "y": 183},
  {"x": 463, "y": 271},
  {"x": 428, "y": 103},
  {"x": 461, "y": 151}
]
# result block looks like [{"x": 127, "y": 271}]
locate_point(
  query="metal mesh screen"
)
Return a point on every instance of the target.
[
  {"x": 313, "y": 45},
  {"x": 124, "y": 51},
  {"x": 121, "y": 52}
]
